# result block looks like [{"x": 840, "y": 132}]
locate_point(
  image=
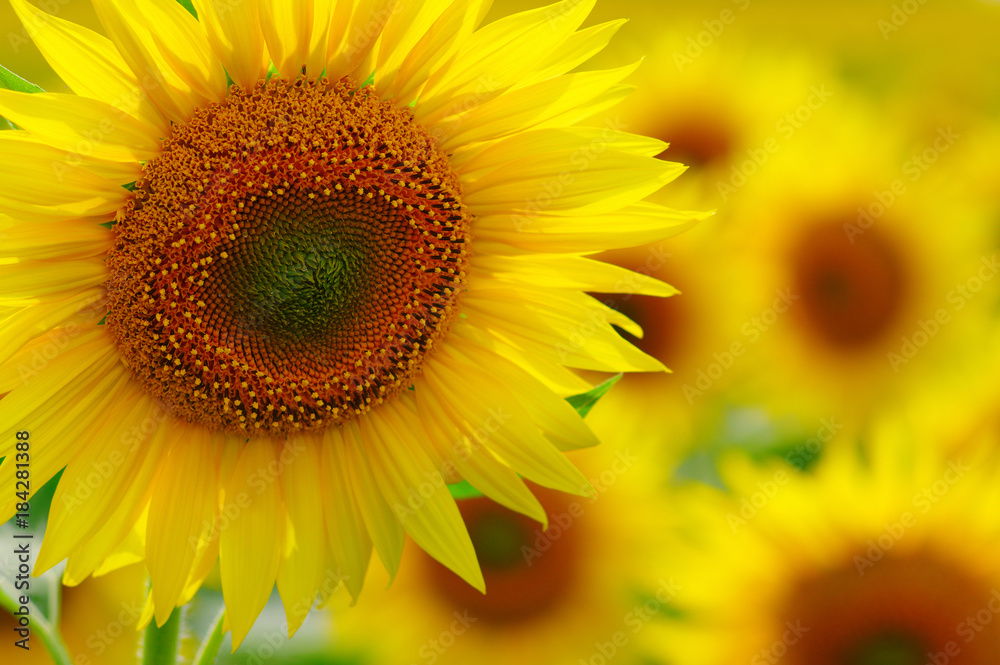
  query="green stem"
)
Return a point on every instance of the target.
[
  {"x": 55, "y": 599},
  {"x": 160, "y": 643},
  {"x": 210, "y": 649},
  {"x": 46, "y": 631}
]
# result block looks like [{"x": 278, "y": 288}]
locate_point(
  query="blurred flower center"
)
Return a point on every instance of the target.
[
  {"x": 852, "y": 288},
  {"x": 528, "y": 572},
  {"x": 288, "y": 258},
  {"x": 890, "y": 610},
  {"x": 699, "y": 141}
]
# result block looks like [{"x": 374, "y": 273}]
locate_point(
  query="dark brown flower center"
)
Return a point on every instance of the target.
[
  {"x": 903, "y": 610},
  {"x": 852, "y": 286}
]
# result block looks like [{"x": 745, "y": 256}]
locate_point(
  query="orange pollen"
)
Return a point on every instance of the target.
[{"x": 288, "y": 259}]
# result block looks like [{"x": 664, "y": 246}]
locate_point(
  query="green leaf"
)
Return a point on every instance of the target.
[
  {"x": 12, "y": 81},
  {"x": 584, "y": 402},
  {"x": 464, "y": 490}
]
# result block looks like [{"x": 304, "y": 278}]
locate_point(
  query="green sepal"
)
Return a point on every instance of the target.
[
  {"x": 464, "y": 490},
  {"x": 188, "y": 5},
  {"x": 584, "y": 402},
  {"x": 11, "y": 81}
]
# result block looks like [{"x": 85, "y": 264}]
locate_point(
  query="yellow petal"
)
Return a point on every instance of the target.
[
  {"x": 571, "y": 272},
  {"x": 478, "y": 465},
  {"x": 354, "y": 31},
  {"x": 178, "y": 69},
  {"x": 531, "y": 107},
  {"x": 39, "y": 174},
  {"x": 21, "y": 326},
  {"x": 95, "y": 480},
  {"x": 296, "y": 32},
  {"x": 417, "y": 493},
  {"x": 234, "y": 32},
  {"x": 89, "y": 64},
  {"x": 386, "y": 532},
  {"x": 56, "y": 240},
  {"x": 345, "y": 525},
  {"x": 80, "y": 126},
  {"x": 35, "y": 279},
  {"x": 250, "y": 545},
  {"x": 553, "y": 415},
  {"x": 635, "y": 225},
  {"x": 181, "y": 514},
  {"x": 407, "y": 23},
  {"x": 441, "y": 41},
  {"x": 509, "y": 431},
  {"x": 302, "y": 570},
  {"x": 578, "y": 48},
  {"x": 498, "y": 56},
  {"x": 564, "y": 181}
]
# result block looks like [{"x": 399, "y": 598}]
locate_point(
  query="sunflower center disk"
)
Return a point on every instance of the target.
[
  {"x": 288, "y": 259},
  {"x": 911, "y": 609},
  {"x": 852, "y": 288}
]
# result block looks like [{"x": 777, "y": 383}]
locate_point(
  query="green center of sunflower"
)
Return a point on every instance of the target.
[
  {"x": 527, "y": 572},
  {"x": 852, "y": 287},
  {"x": 288, "y": 259},
  {"x": 889, "y": 649}
]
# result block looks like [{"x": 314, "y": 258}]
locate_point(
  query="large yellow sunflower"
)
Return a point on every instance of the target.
[
  {"x": 856, "y": 293},
  {"x": 889, "y": 557},
  {"x": 265, "y": 323},
  {"x": 587, "y": 586}
]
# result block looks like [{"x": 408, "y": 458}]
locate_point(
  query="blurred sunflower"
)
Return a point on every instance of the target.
[
  {"x": 857, "y": 293},
  {"x": 557, "y": 595},
  {"x": 97, "y": 621},
  {"x": 296, "y": 330},
  {"x": 724, "y": 108},
  {"x": 889, "y": 559}
]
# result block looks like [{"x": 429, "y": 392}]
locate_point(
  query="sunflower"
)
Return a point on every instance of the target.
[
  {"x": 571, "y": 592},
  {"x": 889, "y": 559},
  {"x": 97, "y": 619},
  {"x": 284, "y": 271},
  {"x": 856, "y": 293}
]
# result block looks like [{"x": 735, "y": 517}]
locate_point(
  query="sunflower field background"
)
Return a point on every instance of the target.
[{"x": 817, "y": 481}]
